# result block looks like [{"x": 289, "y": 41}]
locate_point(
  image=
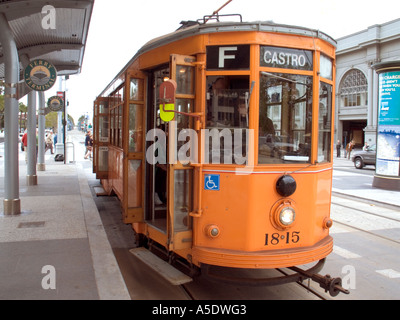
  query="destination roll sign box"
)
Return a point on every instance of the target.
[
  {"x": 238, "y": 58},
  {"x": 276, "y": 57},
  {"x": 228, "y": 57}
]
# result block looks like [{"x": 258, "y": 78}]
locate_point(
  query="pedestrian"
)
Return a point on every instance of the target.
[
  {"x": 49, "y": 142},
  {"x": 338, "y": 146},
  {"x": 24, "y": 141},
  {"x": 349, "y": 147},
  {"x": 88, "y": 145}
]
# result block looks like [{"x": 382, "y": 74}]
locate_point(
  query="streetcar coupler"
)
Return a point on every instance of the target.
[{"x": 329, "y": 284}]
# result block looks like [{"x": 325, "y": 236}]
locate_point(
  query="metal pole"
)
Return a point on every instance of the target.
[
  {"x": 60, "y": 134},
  {"x": 65, "y": 126},
  {"x": 12, "y": 203},
  {"x": 41, "y": 166},
  {"x": 31, "y": 177}
]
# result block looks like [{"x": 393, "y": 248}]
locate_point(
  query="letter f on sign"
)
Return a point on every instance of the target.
[{"x": 223, "y": 56}]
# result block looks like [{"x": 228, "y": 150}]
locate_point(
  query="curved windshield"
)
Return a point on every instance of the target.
[{"x": 285, "y": 118}]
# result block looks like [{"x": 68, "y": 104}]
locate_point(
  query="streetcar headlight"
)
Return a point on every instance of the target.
[
  {"x": 287, "y": 216},
  {"x": 283, "y": 214}
]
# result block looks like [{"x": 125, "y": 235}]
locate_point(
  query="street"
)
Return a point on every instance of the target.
[{"x": 366, "y": 233}]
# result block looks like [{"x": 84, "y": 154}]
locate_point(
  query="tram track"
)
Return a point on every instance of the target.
[
  {"x": 368, "y": 232},
  {"x": 190, "y": 291},
  {"x": 369, "y": 213},
  {"x": 187, "y": 292}
]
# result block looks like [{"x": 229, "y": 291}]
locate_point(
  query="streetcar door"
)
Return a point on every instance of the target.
[
  {"x": 101, "y": 138},
  {"x": 182, "y": 149},
  {"x": 135, "y": 159}
]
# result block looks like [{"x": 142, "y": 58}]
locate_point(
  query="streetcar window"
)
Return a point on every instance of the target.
[
  {"x": 185, "y": 79},
  {"x": 103, "y": 128},
  {"x": 227, "y": 119},
  {"x": 285, "y": 118},
  {"x": 183, "y": 183},
  {"x": 103, "y": 158},
  {"x": 120, "y": 126},
  {"x": 135, "y": 128},
  {"x": 326, "y": 67},
  {"x": 103, "y": 107},
  {"x": 136, "y": 89},
  {"x": 116, "y": 103},
  {"x": 324, "y": 122}
]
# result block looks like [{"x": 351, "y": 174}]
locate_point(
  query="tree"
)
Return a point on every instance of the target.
[{"x": 51, "y": 120}]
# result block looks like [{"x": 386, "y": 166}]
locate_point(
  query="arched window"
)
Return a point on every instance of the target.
[{"x": 354, "y": 89}]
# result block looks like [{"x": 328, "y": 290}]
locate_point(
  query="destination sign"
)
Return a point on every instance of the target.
[
  {"x": 228, "y": 57},
  {"x": 276, "y": 57}
]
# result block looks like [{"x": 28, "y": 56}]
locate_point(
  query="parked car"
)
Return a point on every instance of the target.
[{"x": 363, "y": 157}]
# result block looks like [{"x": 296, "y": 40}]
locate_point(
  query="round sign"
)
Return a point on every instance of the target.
[
  {"x": 55, "y": 103},
  {"x": 40, "y": 75}
]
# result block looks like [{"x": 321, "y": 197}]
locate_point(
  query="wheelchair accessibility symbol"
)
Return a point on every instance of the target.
[{"x": 211, "y": 182}]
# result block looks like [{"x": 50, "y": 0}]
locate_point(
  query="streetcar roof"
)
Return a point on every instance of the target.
[{"x": 207, "y": 28}]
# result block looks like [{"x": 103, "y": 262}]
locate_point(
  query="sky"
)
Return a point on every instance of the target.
[{"x": 119, "y": 28}]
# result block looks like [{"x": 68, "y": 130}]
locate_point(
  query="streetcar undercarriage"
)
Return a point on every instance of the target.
[{"x": 328, "y": 283}]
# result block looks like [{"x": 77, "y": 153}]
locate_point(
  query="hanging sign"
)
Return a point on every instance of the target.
[
  {"x": 55, "y": 103},
  {"x": 40, "y": 75},
  {"x": 167, "y": 100}
]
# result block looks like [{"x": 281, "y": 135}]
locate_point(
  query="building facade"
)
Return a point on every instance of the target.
[{"x": 357, "y": 90}]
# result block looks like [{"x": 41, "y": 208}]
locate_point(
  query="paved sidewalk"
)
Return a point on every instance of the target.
[{"x": 57, "y": 248}]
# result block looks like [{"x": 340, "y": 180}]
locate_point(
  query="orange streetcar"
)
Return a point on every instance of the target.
[{"x": 217, "y": 139}]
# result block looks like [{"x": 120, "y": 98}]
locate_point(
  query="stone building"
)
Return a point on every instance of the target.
[{"x": 357, "y": 83}]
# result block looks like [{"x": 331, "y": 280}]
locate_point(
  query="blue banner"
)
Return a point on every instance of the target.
[
  {"x": 388, "y": 144},
  {"x": 389, "y": 98}
]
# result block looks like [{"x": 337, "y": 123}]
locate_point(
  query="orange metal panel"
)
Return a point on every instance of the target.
[
  {"x": 161, "y": 55},
  {"x": 244, "y": 214},
  {"x": 262, "y": 259}
]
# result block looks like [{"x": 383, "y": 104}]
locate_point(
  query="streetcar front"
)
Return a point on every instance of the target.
[{"x": 266, "y": 171}]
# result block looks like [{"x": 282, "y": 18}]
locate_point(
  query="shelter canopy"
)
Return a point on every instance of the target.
[{"x": 40, "y": 32}]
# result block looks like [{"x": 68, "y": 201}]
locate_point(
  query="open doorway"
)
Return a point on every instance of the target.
[{"x": 156, "y": 155}]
